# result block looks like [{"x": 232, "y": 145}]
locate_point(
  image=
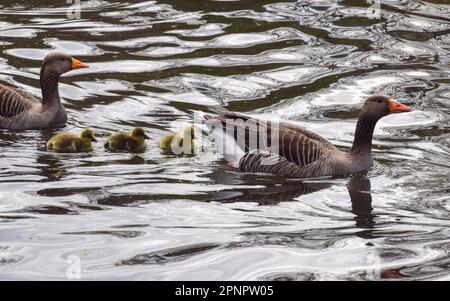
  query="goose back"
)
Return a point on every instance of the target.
[
  {"x": 13, "y": 102},
  {"x": 277, "y": 148},
  {"x": 20, "y": 110}
]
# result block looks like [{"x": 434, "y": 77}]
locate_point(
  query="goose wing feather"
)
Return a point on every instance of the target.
[
  {"x": 14, "y": 102},
  {"x": 295, "y": 144}
]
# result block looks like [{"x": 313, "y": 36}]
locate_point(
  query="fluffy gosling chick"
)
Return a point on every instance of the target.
[
  {"x": 179, "y": 143},
  {"x": 131, "y": 142},
  {"x": 69, "y": 143}
]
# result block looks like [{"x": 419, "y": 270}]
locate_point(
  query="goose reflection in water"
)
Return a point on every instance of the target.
[
  {"x": 277, "y": 191},
  {"x": 319, "y": 236},
  {"x": 361, "y": 198}
]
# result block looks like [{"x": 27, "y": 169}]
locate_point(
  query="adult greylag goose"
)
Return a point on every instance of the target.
[
  {"x": 20, "y": 110},
  {"x": 259, "y": 146}
]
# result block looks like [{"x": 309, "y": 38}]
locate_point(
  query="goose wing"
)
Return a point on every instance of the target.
[
  {"x": 14, "y": 102},
  {"x": 289, "y": 142}
]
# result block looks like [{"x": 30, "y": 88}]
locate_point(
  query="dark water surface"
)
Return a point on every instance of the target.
[{"x": 157, "y": 217}]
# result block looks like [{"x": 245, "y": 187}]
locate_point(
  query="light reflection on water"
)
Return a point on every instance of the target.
[{"x": 153, "y": 216}]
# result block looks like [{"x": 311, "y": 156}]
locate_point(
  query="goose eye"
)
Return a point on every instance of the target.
[{"x": 379, "y": 100}]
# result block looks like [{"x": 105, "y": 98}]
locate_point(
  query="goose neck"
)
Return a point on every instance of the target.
[
  {"x": 49, "y": 87},
  {"x": 362, "y": 143}
]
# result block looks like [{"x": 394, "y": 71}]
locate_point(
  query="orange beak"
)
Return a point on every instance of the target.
[
  {"x": 77, "y": 64},
  {"x": 396, "y": 107}
]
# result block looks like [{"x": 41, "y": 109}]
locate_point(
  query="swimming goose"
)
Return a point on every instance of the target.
[
  {"x": 300, "y": 153},
  {"x": 132, "y": 142},
  {"x": 179, "y": 143},
  {"x": 20, "y": 110},
  {"x": 69, "y": 143}
]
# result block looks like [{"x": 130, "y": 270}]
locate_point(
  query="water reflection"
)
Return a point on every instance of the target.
[
  {"x": 51, "y": 167},
  {"x": 361, "y": 198},
  {"x": 275, "y": 190}
]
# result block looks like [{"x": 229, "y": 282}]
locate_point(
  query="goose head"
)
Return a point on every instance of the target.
[
  {"x": 60, "y": 63},
  {"x": 378, "y": 106},
  {"x": 375, "y": 108},
  {"x": 88, "y": 135},
  {"x": 138, "y": 133}
]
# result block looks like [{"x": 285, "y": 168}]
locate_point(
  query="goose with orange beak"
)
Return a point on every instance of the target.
[
  {"x": 299, "y": 152},
  {"x": 20, "y": 110}
]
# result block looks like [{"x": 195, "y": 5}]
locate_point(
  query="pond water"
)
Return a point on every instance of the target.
[{"x": 154, "y": 216}]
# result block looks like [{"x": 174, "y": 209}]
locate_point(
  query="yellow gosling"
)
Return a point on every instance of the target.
[
  {"x": 179, "y": 143},
  {"x": 69, "y": 143},
  {"x": 130, "y": 142}
]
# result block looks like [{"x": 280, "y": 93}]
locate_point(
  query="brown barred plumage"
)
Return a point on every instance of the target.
[{"x": 12, "y": 103}]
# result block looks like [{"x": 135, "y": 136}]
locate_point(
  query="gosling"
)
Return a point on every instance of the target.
[
  {"x": 69, "y": 143},
  {"x": 131, "y": 142},
  {"x": 179, "y": 143}
]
